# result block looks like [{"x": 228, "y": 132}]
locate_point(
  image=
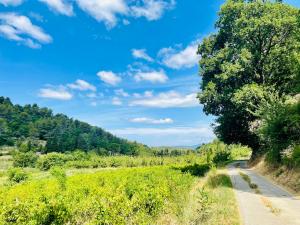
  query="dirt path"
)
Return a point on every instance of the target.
[{"x": 268, "y": 204}]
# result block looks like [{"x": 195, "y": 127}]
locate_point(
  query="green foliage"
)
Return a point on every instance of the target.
[
  {"x": 216, "y": 201},
  {"x": 45, "y": 162},
  {"x": 56, "y": 133},
  {"x": 24, "y": 159},
  {"x": 279, "y": 126},
  {"x": 126, "y": 161},
  {"x": 17, "y": 175},
  {"x": 171, "y": 151},
  {"x": 196, "y": 169},
  {"x": 60, "y": 176},
  {"x": 255, "y": 51},
  {"x": 127, "y": 196},
  {"x": 296, "y": 155},
  {"x": 205, "y": 201},
  {"x": 218, "y": 152},
  {"x": 238, "y": 152},
  {"x": 222, "y": 156}
]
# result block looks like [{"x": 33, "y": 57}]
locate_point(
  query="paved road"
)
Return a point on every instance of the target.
[{"x": 272, "y": 206}]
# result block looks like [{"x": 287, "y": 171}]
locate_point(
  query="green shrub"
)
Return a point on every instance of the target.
[
  {"x": 279, "y": 126},
  {"x": 17, "y": 175},
  {"x": 296, "y": 155},
  {"x": 127, "y": 196},
  {"x": 239, "y": 152},
  {"x": 52, "y": 159},
  {"x": 24, "y": 159},
  {"x": 196, "y": 169},
  {"x": 222, "y": 156}
]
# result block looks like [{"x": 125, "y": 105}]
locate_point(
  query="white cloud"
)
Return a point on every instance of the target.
[
  {"x": 60, "y": 6},
  {"x": 19, "y": 28},
  {"x": 141, "y": 54},
  {"x": 60, "y": 93},
  {"x": 151, "y": 121},
  {"x": 178, "y": 59},
  {"x": 116, "y": 101},
  {"x": 11, "y": 2},
  {"x": 82, "y": 86},
  {"x": 104, "y": 10},
  {"x": 121, "y": 92},
  {"x": 152, "y": 76},
  {"x": 171, "y": 99},
  {"x": 152, "y": 9},
  {"x": 109, "y": 77},
  {"x": 109, "y": 11},
  {"x": 146, "y": 94}
]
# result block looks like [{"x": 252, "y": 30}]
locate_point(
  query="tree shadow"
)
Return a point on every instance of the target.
[
  {"x": 198, "y": 170},
  {"x": 219, "y": 180}
]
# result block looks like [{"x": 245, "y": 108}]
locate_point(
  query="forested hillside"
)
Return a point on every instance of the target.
[
  {"x": 250, "y": 70},
  {"x": 41, "y": 129}
]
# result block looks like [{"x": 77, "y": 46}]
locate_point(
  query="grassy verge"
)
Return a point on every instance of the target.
[
  {"x": 211, "y": 201},
  {"x": 281, "y": 175}
]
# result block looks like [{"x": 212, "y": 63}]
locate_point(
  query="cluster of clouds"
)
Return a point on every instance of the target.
[
  {"x": 19, "y": 28},
  {"x": 63, "y": 92},
  {"x": 172, "y": 57}
]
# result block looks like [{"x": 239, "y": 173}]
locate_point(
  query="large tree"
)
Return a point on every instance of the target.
[{"x": 255, "y": 50}]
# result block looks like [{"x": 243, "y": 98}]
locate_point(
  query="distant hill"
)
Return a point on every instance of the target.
[
  {"x": 183, "y": 147},
  {"x": 58, "y": 132}
]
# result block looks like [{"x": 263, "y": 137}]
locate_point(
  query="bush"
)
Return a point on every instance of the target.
[
  {"x": 279, "y": 127},
  {"x": 196, "y": 169},
  {"x": 52, "y": 159},
  {"x": 222, "y": 156},
  {"x": 240, "y": 152},
  {"x": 17, "y": 175},
  {"x": 24, "y": 159}
]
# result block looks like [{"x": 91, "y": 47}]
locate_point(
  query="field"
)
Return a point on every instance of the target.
[
  {"x": 185, "y": 189},
  {"x": 128, "y": 196}
]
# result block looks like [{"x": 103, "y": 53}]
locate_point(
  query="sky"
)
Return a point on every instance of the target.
[{"x": 128, "y": 66}]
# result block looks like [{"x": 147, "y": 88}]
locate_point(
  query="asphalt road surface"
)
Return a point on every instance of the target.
[{"x": 269, "y": 204}]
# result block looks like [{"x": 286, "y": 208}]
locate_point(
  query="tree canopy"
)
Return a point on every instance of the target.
[
  {"x": 255, "y": 52},
  {"x": 56, "y": 133}
]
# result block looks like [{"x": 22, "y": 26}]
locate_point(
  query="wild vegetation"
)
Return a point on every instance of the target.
[{"x": 55, "y": 193}]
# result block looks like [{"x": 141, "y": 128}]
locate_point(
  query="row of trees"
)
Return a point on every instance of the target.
[
  {"x": 48, "y": 132},
  {"x": 251, "y": 75}
]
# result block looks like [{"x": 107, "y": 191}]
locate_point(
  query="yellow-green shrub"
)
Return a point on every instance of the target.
[{"x": 127, "y": 196}]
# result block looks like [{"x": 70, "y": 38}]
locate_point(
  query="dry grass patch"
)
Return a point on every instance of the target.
[
  {"x": 269, "y": 205},
  {"x": 287, "y": 178},
  {"x": 251, "y": 185},
  {"x": 211, "y": 201}
]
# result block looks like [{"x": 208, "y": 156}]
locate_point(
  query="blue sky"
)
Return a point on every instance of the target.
[{"x": 128, "y": 66}]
